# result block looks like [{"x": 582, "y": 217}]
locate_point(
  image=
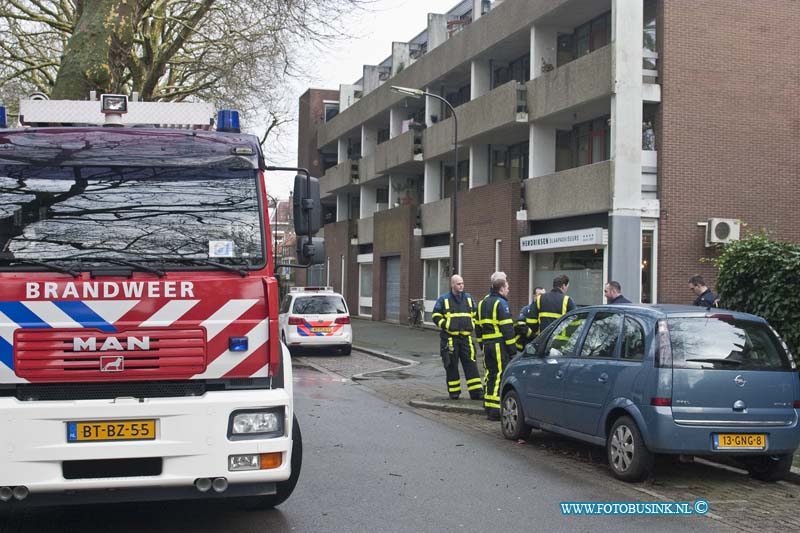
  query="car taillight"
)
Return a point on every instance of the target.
[
  {"x": 661, "y": 402},
  {"x": 343, "y": 320},
  {"x": 296, "y": 321},
  {"x": 797, "y": 404}
]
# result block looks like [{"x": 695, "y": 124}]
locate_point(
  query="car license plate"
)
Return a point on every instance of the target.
[
  {"x": 107, "y": 430},
  {"x": 740, "y": 441},
  {"x": 321, "y": 330}
]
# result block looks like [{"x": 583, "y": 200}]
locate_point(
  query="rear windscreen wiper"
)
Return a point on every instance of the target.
[
  {"x": 140, "y": 266},
  {"x": 711, "y": 360},
  {"x": 44, "y": 264},
  {"x": 230, "y": 268}
]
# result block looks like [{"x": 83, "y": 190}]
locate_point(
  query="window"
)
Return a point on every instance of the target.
[
  {"x": 365, "y": 289},
  {"x": 436, "y": 281},
  {"x": 497, "y": 249},
  {"x": 566, "y": 334},
  {"x": 601, "y": 339},
  {"x": 285, "y": 304},
  {"x": 633, "y": 341},
  {"x": 647, "y": 266},
  {"x": 383, "y": 135},
  {"x": 331, "y": 110},
  {"x": 585, "y": 39},
  {"x": 587, "y": 143},
  {"x": 725, "y": 344},
  {"x": 319, "y": 305},
  {"x": 649, "y": 37},
  {"x": 649, "y": 126},
  {"x": 382, "y": 195}
]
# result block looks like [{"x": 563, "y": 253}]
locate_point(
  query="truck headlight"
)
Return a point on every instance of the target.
[{"x": 256, "y": 423}]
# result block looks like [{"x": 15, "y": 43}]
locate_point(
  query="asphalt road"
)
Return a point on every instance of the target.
[{"x": 372, "y": 466}]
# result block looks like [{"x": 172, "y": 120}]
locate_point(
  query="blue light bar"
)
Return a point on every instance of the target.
[
  {"x": 3, "y": 116},
  {"x": 228, "y": 120},
  {"x": 237, "y": 344}
]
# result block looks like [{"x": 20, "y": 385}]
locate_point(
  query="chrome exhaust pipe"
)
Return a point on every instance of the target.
[
  {"x": 6, "y": 494},
  {"x": 20, "y": 493},
  {"x": 202, "y": 484},
  {"x": 219, "y": 484}
]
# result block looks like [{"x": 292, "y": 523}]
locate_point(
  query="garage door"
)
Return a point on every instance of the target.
[{"x": 392, "y": 305}]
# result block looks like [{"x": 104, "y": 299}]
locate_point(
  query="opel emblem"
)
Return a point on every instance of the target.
[{"x": 739, "y": 380}]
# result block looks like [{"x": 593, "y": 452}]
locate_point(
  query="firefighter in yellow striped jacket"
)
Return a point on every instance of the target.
[
  {"x": 496, "y": 334},
  {"x": 454, "y": 314},
  {"x": 550, "y": 306}
]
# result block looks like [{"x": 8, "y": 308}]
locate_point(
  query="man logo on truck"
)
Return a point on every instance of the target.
[
  {"x": 110, "y": 344},
  {"x": 112, "y": 364}
]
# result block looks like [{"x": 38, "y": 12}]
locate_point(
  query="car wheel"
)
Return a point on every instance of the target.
[
  {"x": 284, "y": 488},
  {"x": 769, "y": 467},
  {"x": 512, "y": 417},
  {"x": 347, "y": 349},
  {"x": 628, "y": 457}
]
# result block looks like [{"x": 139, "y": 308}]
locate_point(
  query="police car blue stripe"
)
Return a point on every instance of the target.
[
  {"x": 6, "y": 353},
  {"x": 82, "y": 314},
  {"x": 22, "y": 315}
]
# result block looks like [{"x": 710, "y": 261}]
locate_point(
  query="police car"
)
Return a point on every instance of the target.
[{"x": 315, "y": 317}]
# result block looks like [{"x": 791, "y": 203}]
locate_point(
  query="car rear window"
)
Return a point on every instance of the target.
[
  {"x": 725, "y": 344},
  {"x": 319, "y": 305}
]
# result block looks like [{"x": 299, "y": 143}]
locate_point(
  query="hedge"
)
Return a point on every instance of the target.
[{"x": 761, "y": 276}]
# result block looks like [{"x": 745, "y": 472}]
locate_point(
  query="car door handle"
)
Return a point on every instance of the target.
[
  {"x": 603, "y": 378},
  {"x": 559, "y": 374}
]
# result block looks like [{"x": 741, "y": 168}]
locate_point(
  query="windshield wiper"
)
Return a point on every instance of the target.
[
  {"x": 230, "y": 268},
  {"x": 711, "y": 360},
  {"x": 116, "y": 260},
  {"x": 44, "y": 264}
]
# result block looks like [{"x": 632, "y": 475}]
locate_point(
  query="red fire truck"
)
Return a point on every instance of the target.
[{"x": 139, "y": 349}]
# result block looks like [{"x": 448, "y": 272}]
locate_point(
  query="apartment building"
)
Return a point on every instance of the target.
[{"x": 596, "y": 138}]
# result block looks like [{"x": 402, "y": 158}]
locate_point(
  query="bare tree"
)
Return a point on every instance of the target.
[{"x": 229, "y": 52}]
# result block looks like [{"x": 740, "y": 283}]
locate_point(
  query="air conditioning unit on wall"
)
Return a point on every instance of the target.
[{"x": 722, "y": 230}]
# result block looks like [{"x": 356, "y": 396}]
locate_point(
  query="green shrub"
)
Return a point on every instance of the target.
[{"x": 761, "y": 276}]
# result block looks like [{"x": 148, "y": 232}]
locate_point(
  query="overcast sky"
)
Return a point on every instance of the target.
[{"x": 373, "y": 31}]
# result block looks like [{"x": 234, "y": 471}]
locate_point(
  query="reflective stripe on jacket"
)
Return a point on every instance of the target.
[
  {"x": 494, "y": 322},
  {"x": 454, "y": 315},
  {"x": 549, "y": 307}
]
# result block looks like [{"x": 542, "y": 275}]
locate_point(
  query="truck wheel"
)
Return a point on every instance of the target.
[{"x": 284, "y": 488}]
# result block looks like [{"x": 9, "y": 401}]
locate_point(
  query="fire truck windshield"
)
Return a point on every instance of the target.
[{"x": 140, "y": 214}]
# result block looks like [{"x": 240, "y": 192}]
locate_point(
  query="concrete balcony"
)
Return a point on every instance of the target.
[
  {"x": 338, "y": 178},
  {"x": 365, "y": 230},
  {"x": 435, "y": 217},
  {"x": 403, "y": 154},
  {"x": 577, "y": 191},
  {"x": 584, "y": 80},
  {"x": 366, "y": 169},
  {"x": 497, "y": 117}
]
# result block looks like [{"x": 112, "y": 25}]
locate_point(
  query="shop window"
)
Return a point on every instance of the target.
[{"x": 584, "y": 268}]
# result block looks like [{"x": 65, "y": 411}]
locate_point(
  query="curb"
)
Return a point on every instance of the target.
[
  {"x": 404, "y": 363},
  {"x": 446, "y": 407}
]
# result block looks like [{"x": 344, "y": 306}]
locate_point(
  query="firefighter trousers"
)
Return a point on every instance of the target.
[
  {"x": 455, "y": 349},
  {"x": 494, "y": 359}
]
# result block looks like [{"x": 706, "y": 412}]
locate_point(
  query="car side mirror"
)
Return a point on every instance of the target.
[{"x": 306, "y": 205}]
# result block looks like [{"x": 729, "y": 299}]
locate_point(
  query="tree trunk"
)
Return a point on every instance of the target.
[{"x": 95, "y": 55}]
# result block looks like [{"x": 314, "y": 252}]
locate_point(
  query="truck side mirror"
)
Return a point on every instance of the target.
[
  {"x": 307, "y": 206},
  {"x": 310, "y": 250}
]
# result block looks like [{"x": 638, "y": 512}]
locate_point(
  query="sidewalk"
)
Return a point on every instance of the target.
[{"x": 423, "y": 385}]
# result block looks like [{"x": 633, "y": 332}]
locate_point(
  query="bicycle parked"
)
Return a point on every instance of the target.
[{"x": 415, "y": 310}]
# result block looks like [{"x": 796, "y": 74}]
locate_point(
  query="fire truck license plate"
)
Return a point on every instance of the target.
[
  {"x": 106, "y": 430},
  {"x": 745, "y": 441}
]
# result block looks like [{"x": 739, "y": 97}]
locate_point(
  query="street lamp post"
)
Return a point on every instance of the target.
[{"x": 419, "y": 93}]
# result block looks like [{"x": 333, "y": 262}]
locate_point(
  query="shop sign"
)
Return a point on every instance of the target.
[{"x": 562, "y": 239}]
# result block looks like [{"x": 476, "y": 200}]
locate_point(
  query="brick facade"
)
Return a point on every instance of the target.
[
  {"x": 337, "y": 244},
  {"x": 730, "y": 100},
  {"x": 393, "y": 236},
  {"x": 485, "y": 214}
]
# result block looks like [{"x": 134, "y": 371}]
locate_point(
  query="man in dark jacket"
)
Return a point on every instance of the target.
[
  {"x": 613, "y": 293},
  {"x": 704, "y": 296},
  {"x": 454, "y": 314},
  {"x": 496, "y": 334},
  {"x": 550, "y": 306}
]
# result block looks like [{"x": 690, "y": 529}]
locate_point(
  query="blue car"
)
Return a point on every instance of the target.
[{"x": 645, "y": 380}]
